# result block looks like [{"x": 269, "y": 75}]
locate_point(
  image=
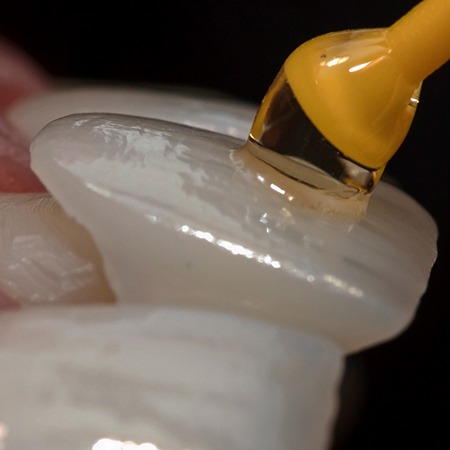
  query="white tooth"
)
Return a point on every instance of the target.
[
  {"x": 180, "y": 218},
  {"x": 45, "y": 257},
  {"x": 221, "y": 114},
  {"x": 74, "y": 379}
]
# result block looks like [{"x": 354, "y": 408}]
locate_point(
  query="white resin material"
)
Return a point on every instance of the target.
[
  {"x": 206, "y": 111},
  {"x": 80, "y": 378},
  {"x": 46, "y": 257},
  {"x": 186, "y": 217}
]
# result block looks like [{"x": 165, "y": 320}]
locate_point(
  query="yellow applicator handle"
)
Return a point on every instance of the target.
[
  {"x": 420, "y": 40},
  {"x": 359, "y": 89}
]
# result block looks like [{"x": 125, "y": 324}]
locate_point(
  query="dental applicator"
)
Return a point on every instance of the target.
[{"x": 343, "y": 102}]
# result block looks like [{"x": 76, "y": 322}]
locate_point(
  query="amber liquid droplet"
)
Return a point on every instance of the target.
[{"x": 283, "y": 136}]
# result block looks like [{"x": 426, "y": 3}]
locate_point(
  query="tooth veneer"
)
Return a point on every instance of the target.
[{"x": 187, "y": 217}]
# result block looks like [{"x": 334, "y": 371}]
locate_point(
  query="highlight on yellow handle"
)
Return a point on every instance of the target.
[{"x": 359, "y": 89}]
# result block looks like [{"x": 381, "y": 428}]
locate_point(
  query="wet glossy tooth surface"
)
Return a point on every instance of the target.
[
  {"x": 172, "y": 378},
  {"x": 45, "y": 257},
  {"x": 221, "y": 114},
  {"x": 182, "y": 217}
]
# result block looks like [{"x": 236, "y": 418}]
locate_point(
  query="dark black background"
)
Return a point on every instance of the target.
[{"x": 397, "y": 394}]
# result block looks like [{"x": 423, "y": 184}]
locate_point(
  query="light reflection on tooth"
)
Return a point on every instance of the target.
[
  {"x": 340, "y": 284},
  {"x": 111, "y": 444},
  {"x": 235, "y": 249},
  {"x": 277, "y": 189},
  {"x": 207, "y": 236},
  {"x": 98, "y": 190},
  {"x": 173, "y": 210}
]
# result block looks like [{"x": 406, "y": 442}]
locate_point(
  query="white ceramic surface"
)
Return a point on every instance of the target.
[
  {"x": 92, "y": 377},
  {"x": 186, "y": 217}
]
